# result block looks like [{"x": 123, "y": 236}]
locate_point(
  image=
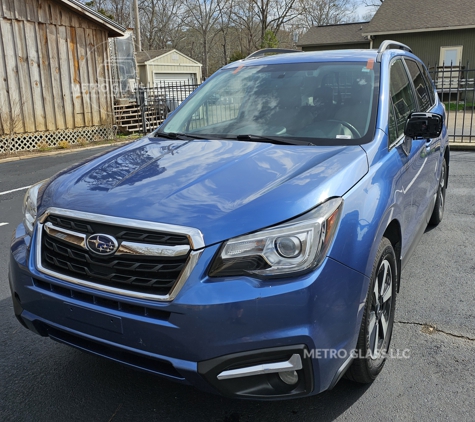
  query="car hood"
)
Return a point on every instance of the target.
[{"x": 223, "y": 188}]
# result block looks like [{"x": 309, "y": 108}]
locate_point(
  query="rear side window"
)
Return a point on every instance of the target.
[
  {"x": 422, "y": 90},
  {"x": 403, "y": 101}
]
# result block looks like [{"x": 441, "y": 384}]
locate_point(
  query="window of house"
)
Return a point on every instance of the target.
[{"x": 450, "y": 56}]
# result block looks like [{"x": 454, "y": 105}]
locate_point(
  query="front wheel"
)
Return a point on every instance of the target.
[
  {"x": 378, "y": 319},
  {"x": 439, "y": 206}
]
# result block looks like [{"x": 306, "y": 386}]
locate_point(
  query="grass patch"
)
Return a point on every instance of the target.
[{"x": 459, "y": 107}]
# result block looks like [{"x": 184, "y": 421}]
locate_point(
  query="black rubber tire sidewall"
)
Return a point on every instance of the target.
[{"x": 363, "y": 368}]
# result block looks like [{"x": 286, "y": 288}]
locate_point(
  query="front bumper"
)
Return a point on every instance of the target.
[{"x": 213, "y": 325}]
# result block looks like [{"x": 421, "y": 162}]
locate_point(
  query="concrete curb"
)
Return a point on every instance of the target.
[
  {"x": 462, "y": 146},
  {"x": 63, "y": 152}
]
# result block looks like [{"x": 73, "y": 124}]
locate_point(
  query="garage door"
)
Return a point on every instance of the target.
[{"x": 161, "y": 78}]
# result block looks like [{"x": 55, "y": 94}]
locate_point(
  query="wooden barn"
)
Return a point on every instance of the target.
[{"x": 55, "y": 77}]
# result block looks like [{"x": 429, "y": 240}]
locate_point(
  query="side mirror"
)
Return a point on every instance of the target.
[{"x": 424, "y": 125}]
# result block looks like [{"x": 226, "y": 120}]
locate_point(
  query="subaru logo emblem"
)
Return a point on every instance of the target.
[{"x": 102, "y": 244}]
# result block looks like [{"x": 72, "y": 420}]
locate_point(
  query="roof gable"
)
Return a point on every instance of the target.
[
  {"x": 146, "y": 57},
  {"x": 396, "y": 16},
  {"x": 346, "y": 33}
]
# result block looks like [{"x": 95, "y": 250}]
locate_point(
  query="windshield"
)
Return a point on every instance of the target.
[{"x": 317, "y": 102}]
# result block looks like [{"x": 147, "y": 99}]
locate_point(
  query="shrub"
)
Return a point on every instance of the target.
[
  {"x": 42, "y": 146},
  {"x": 63, "y": 145},
  {"x": 82, "y": 141}
]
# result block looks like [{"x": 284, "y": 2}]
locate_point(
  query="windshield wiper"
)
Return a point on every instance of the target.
[
  {"x": 181, "y": 136},
  {"x": 272, "y": 140}
]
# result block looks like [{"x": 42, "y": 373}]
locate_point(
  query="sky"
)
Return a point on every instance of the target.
[{"x": 362, "y": 10}]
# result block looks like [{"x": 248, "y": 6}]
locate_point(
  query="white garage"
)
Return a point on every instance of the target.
[
  {"x": 158, "y": 67},
  {"x": 160, "y": 78}
]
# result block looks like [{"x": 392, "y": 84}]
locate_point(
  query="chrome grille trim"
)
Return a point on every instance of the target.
[
  {"x": 65, "y": 235},
  {"x": 131, "y": 248},
  {"x": 195, "y": 237},
  {"x": 126, "y": 248}
]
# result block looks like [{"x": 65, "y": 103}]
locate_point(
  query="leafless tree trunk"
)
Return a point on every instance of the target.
[
  {"x": 326, "y": 12},
  {"x": 203, "y": 17}
]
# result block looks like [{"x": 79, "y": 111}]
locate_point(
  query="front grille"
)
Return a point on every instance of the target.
[{"x": 154, "y": 275}]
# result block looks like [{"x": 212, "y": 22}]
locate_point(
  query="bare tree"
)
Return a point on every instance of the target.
[
  {"x": 118, "y": 10},
  {"x": 244, "y": 20},
  {"x": 274, "y": 14},
  {"x": 372, "y": 7},
  {"x": 327, "y": 12},
  {"x": 225, "y": 19},
  {"x": 161, "y": 22},
  {"x": 202, "y": 17}
]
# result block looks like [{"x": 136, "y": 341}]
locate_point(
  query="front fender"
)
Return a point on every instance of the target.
[{"x": 369, "y": 208}]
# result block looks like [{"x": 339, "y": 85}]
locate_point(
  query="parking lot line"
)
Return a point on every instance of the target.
[{"x": 14, "y": 190}]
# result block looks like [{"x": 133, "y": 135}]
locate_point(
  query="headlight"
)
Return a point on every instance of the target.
[
  {"x": 295, "y": 246},
  {"x": 29, "y": 207}
]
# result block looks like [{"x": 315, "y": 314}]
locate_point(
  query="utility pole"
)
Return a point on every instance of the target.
[{"x": 138, "y": 36}]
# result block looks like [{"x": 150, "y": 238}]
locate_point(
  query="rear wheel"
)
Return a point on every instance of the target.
[
  {"x": 377, "y": 326},
  {"x": 439, "y": 206}
]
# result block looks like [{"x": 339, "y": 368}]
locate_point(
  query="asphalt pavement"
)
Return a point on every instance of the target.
[{"x": 431, "y": 375}]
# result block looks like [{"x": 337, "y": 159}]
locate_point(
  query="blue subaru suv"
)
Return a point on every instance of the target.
[{"x": 251, "y": 246}]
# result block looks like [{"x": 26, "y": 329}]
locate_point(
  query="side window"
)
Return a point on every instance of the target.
[
  {"x": 402, "y": 97},
  {"x": 430, "y": 84},
  {"x": 420, "y": 85}
]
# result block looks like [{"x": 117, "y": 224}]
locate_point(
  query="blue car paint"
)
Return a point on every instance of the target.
[
  {"x": 216, "y": 183},
  {"x": 227, "y": 189}
]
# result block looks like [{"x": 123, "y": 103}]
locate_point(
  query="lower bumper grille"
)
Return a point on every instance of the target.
[{"x": 145, "y": 363}]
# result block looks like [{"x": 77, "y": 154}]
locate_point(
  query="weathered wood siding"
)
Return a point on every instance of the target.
[
  {"x": 54, "y": 69},
  {"x": 426, "y": 45}
]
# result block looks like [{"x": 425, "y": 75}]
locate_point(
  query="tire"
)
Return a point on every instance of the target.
[
  {"x": 439, "y": 206},
  {"x": 378, "y": 318}
]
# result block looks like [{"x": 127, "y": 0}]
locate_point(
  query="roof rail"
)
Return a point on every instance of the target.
[
  {"x": 270, "y": 51},
  {"x": 390, "y": 44}
]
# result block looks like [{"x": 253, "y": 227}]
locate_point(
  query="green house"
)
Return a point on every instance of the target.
[{"x": 440, "y": 32}]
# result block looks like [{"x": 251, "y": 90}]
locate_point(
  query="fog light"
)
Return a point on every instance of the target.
[{"x": 289, "y": 377}]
